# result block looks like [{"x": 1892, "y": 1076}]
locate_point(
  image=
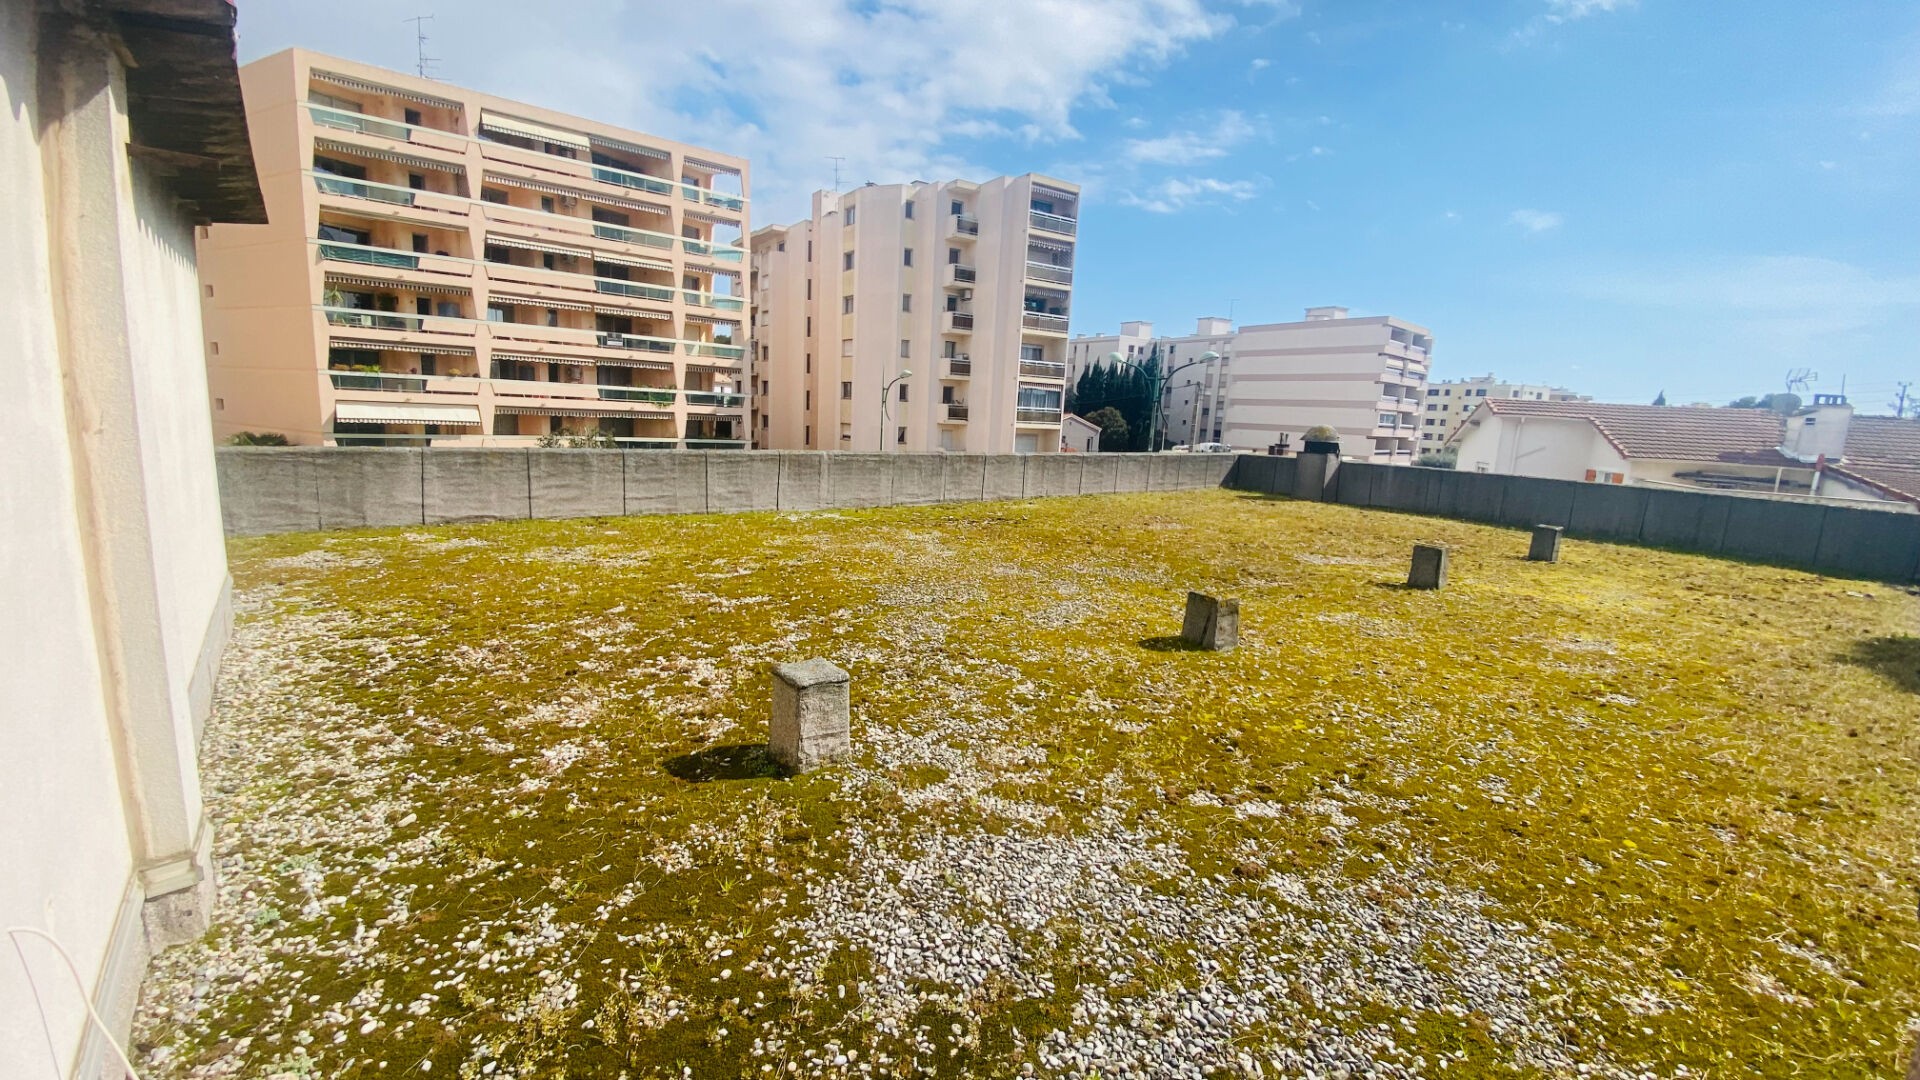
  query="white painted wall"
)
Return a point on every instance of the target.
[{"x": 1556, "y": 448}]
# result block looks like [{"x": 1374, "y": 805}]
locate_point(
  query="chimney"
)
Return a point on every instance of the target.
[
  {"x": 1319, "y": 314},
  {"x": 1818, "y": 431}
]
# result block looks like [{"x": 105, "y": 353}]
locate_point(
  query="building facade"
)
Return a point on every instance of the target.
[
  {"x": 1364, "y": 377},
  {"x": 1450, "y": 400},
  {"x": 115, "y": 574},
  {"x": 924, "y": 316},
  {"x": 446, "y": 267}
]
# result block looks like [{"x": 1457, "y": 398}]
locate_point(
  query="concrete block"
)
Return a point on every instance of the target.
[
  {"x": 1005, "y": 476},
  {"x": 1353, "y": 484},
  {"x": 1545, "y": 544},
  {"x": 811, "y": 722},
  {"x": 576, "y": 483},
  {"x": 856, "y": 480},
  {"x": 1286, "y": 473},
  {"x": 475, "y": 485},
  {"x": 803, "y": 479},
  {"x": 737, "y": 482},
  {"x": 1315, "y": 476},
  {"x": 917, "y": 479},
  {"x": 1098, "y": 473},
  {"x": 1870, "y": 543},
  {"x": 1130, "y": 472},
  {"x": 666, "y": 481},
  {"x": 1772, "y": 530},
  {"x": 1531, "y": 500},
  {"x": 1211, "y": 623},
  {"x": 963, "y": 477},
  {"x": 267, "y": 490},
  {"x": 1255, "y": 472},
  {"x": 1607, "y": 511},
  {"x": 1429, "y": 569}
]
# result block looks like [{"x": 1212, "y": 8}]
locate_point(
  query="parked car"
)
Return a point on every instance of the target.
[{"x": 1212, "y": 448}]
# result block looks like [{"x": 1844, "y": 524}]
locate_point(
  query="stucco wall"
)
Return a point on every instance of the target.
[{"x": 1549, "y": 447}]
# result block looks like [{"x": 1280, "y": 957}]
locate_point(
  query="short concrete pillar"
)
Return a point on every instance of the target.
[
  {"x": 810, "y": 715},
  {"x": 1546, "y": 544},
  {"x": 1429, "y": 567},
  {"x": 1211, "y": 623},
  {"x": 1314, "y": 476}
]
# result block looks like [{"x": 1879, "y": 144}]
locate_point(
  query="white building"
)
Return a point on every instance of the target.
[
  {"x": 967, "y": 286},
  {"x": 1364, "y": 377},
  {"x": 123, "y": 130},
  {"x": 1450, "y": 400},
  {"x": 1193, "y": 401},
  {"x": 1078, "y": 436}
]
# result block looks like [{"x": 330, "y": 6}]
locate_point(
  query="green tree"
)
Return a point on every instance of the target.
[
  {"x": 258, "y": 438},
  {"x": 1113, "y": 428},
  {"x": 1662, "y": 399},
  {"x": 1447, "y": 457}
]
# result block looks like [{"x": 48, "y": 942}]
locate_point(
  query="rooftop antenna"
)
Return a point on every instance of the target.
[
  {"x": 1799, "y": 379},
  {"x": 836, "y": 170},
  {"x": 421, "y": 60},
  {"x": 1903, "y": 401},
  {"x": 1230, "y": 302}
]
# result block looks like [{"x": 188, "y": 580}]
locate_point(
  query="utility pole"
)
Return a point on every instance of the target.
[
  {"x": 1903, "y": 401},
  {"x": 421, "y": 60}
]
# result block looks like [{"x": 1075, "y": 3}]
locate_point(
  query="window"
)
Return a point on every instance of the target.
[
  {"x": 846, "y": 260},
  {"x": 427, "y": 362},
  {"x": 846, "y": 391},
  {"x": 906, "y": 301},
  {"x": 546, "y": 204},
  {"x": 494, "y": 253},
  {"x": 809, "y": 370},
  {"x": 809, "y": 251},
  {"x": 1433, "y": 393},
  {"x": 416, "y": 181},
  {"x": 419, "y": 241},
  {"x": 850, "y": 211},
  {"x": 906, "y": 353},
  {"x": 903, "y": 391},
  {"x": 1479, "y": 393},
  {"x": 1035, "y": 397},
  {"x": 1433, "y": 408},
  {"x": 807, "y": 437},
  {"x": 1388, "y": 420},
  {"x": 809, "y": 326},
  {"x": 781, "y": 246},
  {"x": 846, "y": 346},
  {"x": 906, "y": 256},
  {"x": 909, "y": 209},
  {"x": 763, "y": 421},
  {"x": 900, "y": 436},
  {"x": 846, "y": 305},
  {"x": 807, "y": 403},
  {"x": 958, "y": 208},
  {"x": 953, "y": 256},
  {"x": 809, "y": 288},
  {"x": 493, "y": 195},
  {"x": 1032, "y": 352},
  {"x": 496, "y": 313}
]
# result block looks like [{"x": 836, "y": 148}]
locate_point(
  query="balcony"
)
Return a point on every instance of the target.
[
  {"x": 962, "y": 227},
  {"x": 1045, "y": 323},
  {"x": 363, "y": 319},
  {"x": 625, "y": 235},
  {"x": 1043, "y": 369},
  {"x": 414, "y": 135},
  {"x": 959, "y": 367},
  {"x": 335, "y": 251},
  {"x": 636, "y": 342},
  {"x": 716, "y": 444},
  {"x": 959, "y": 274},
  {"x": 957, "y": 412},
  {"x": 368, "y": 191},
  {"x": 1059, "y": 275},
  {"x": 721, "y": 350},
  {"x": 645, "y": 395},
  {"x": 715, "y": 399},
  {"x": 712, "y": 249},
  {"x": 1053, "y": 223},
  {"x": 714, "y": 300},
  {"x": 693, "y": 193},
  {"x": 622, "y": 287},
  {"x": 367, "y": 380},
  {"x": 1036, "y": 416},
  {"x": 957, "y": 322},
  {"x": 608, "y": 174}
]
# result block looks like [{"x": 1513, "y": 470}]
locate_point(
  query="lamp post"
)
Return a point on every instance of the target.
[
  {"x": 886, "y": 392},
  {"x": 1156, "y": 385}
]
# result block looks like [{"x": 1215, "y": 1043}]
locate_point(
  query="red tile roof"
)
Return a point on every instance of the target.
[{"x": 1746, "y": 436}]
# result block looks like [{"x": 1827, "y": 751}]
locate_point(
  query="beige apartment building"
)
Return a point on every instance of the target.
[
  {"x": 1364, "y": 377},
  {"x": 1193, "y": 401},
  {"x": 1450, "y": 400},
  {"x": 445, "y": 267},
  {"x": 923, "y": 316}
]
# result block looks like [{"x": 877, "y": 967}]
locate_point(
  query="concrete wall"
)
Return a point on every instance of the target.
[
  {"x": 299, "y": 489},
  {"x": 1883, "y": 544}
]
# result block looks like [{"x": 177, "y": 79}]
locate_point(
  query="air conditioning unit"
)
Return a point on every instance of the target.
[
  {"x": 569, "y": 201},
  {"x": 966, "y": 294}
]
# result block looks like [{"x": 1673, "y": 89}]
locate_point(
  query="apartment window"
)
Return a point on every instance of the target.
[
  {"x": 809, "y": 326},
  {"x": 809, "y": 288},
  {"x": 906, "y": 352},
  {"x": 1433, "y": 393},
  {"x": 850, "y": 211},
  {"x": 958, "y": 208},
  {"x": 903, "y": 391},
  {"x": 953, "y": 256},
  {"x": 1388, "y": 420},
  {"x": 1429, "y": 423},
  {"x": 906, "y": 256},
  {"x": 413, "y": 117},
  {"x": 781, "y": 246},
  {"x": 809, "y": 251},
  {"x": 422, "y": 306},
  {"x": 846, "y": 305},
  {"x": 809, "y": 370},
  {"x": 1433, "y": 408},
  {"x": 427, "y": 362},
  {"x": 494, "y": 253},
  {"x": 496, "y": 313},
  {"x": 1479, "y": 393},
  {"x": 417, "y": 181},
  {"x": 947, "y": 350},
  {"x": 419, "y": 241},
  {"x": 900, "y": 436},
  {"x": 807, "y": 400},
  {"x": 807, "y": 438},
  {"x": 906, "y": 301},
  {"x": 1032, "y": 352},
  {"x": 846, "y": 391},
  {"x": 493, "y": 195},
  {"x": 546, "y": 204},
  {"x": 846, "y": 346},
  {"x": 846, "y": 260},
  {"x": 763, "y": 422}
]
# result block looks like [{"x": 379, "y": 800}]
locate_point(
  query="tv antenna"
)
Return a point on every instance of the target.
[
  {"x": 421, "y": 60},
  {"x": 1799, "y": 379},
  {"x": 836, "y": 170},
  {"x": 1903, "y": 401},
  {"x": 1230, "y": 302}
]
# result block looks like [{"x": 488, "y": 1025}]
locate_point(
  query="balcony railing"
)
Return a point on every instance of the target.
[
  {"x": 328, "y": 184},
  {"x": 620, "y": 287},
  {"x": 374, "y": 320},
  {"x": 714, "y": 398},
  {"x": 960, "y": 321},
  {"x": 1034, "y": 320},
  {"x": 965, "y": 225},
  {"x": 637, "y": 342},
  {"x": 1040, "y": 271},
  {"x": 1053, "y": 223},
  {"x": 723, "y": 252},
  {"x": 607, "y": 174},
  {"x": 367, "y": 380},
  {"x": 694, "y": 193},
  {"x": 368, "y": 256},
  {"x": 956, "y": 410},
  {"x": 1037, "y": 416},
  {"x": 960, "y": 367},
  {"x": 346, "y": 120},
  {"x": 722, "y": 350},
  {"x": 1043, "y": 369},
  {"x": 961, "y": 274},
  {"x": 631, "y": 236},
  {"x": 716, "y": 444},
  {"x": 714, "y": 301},
  {"x": 661, "y": 396}
]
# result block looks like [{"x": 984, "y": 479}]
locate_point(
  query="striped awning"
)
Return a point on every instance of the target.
[
  {"x": 531, "y": 129},
  {"x": 558, "y": 410},
  {"x": 388, "y": 346},
  {"x": 366, "y": 87},
  {"x": 544, "y": 358},
  {"x": 410, "y": 161},
  {"x": 367, "y": 412},
  {"x": 632, "y": 260},
  {"x": 1044, "y": 245},
  {"x": 724, "y": 271},
  {"x": 538, "y": 245},
  {"x": 631, "y": 148},
  {"x": 712, "y": 219},
  {"x": 714, "y": 320},
  {"x": 528, "y": 301},
  {"x": 636, "y": 313},
  {"x": 725, "y": 367},
  {"x": 571, "y": 193},
  {"x": 408, "y": 285},
  {"x": 712, "y": 166},
  {"x": 627, "y": 361}
]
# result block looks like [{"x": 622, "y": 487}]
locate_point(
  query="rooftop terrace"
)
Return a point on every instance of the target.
[{"x": 492, "y": 801}]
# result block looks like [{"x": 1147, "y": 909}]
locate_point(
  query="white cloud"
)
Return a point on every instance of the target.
[
  {"x": 1178, "y": 193},
  {"x": 1259, "y": 63},
  {"x": 1536, "y": 221},
  {"x": 889, "y": 87},
  {"x": 1229, "y": 130},
  {"x": 1561, "y": 12}
]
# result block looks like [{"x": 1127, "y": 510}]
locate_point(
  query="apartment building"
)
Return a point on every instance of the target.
[
  {"x": 445, "y": 267},
  {"x": 1450, "y": 400},
  {"x": 923, "y": 316},
  {"x": 1364, "y": 377},
  {"x": 1193, "y": 401}
]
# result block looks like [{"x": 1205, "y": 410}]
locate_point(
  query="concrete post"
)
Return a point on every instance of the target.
[
  {"x": 1314, "y": 478},
  {"x": 1211, "y": 623},
  {"x": 1429, "y": 567},
  {"x": 1546, "y": 544},
  {"x": 810, "y": 724}
]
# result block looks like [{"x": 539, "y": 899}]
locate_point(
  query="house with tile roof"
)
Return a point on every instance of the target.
[{"x": 1823, "y": 450}]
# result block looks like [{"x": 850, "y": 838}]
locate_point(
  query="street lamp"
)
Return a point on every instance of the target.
[
  {"x": 1156, "y": 385},
  {"x": 886, "y": 392}
]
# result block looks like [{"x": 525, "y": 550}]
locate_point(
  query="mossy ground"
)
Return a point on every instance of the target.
[{"x": 491, "y": 799}]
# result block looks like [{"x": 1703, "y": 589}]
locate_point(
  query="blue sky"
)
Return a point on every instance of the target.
[{"x": 1623, "y": 197}]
